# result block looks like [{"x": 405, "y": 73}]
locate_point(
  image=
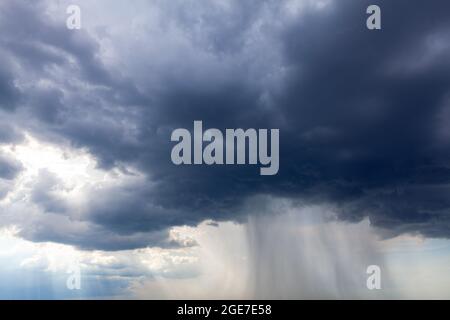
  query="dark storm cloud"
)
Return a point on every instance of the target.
[
  {"x": 379, "y": 95},
  {"x": 362, "y": 114},
  {"x": 39, "y": 42},
  {"x": 358, "y": 118}
]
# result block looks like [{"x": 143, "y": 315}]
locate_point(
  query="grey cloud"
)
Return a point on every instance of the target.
[
  {"x": 362, "y": 118},
  {"x": 9, "y": 133},
  {"x": 43, "y": 194},
  {"x": 9, "y": 167},
  {"x": 95, "y": 237},
  {"x": 9, "y": 93}
]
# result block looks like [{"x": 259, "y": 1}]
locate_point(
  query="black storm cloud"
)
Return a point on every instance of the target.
[{"x": 363, "y": 115}]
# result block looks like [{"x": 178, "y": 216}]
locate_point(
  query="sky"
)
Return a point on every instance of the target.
[{"x": 86, "y": 177}]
